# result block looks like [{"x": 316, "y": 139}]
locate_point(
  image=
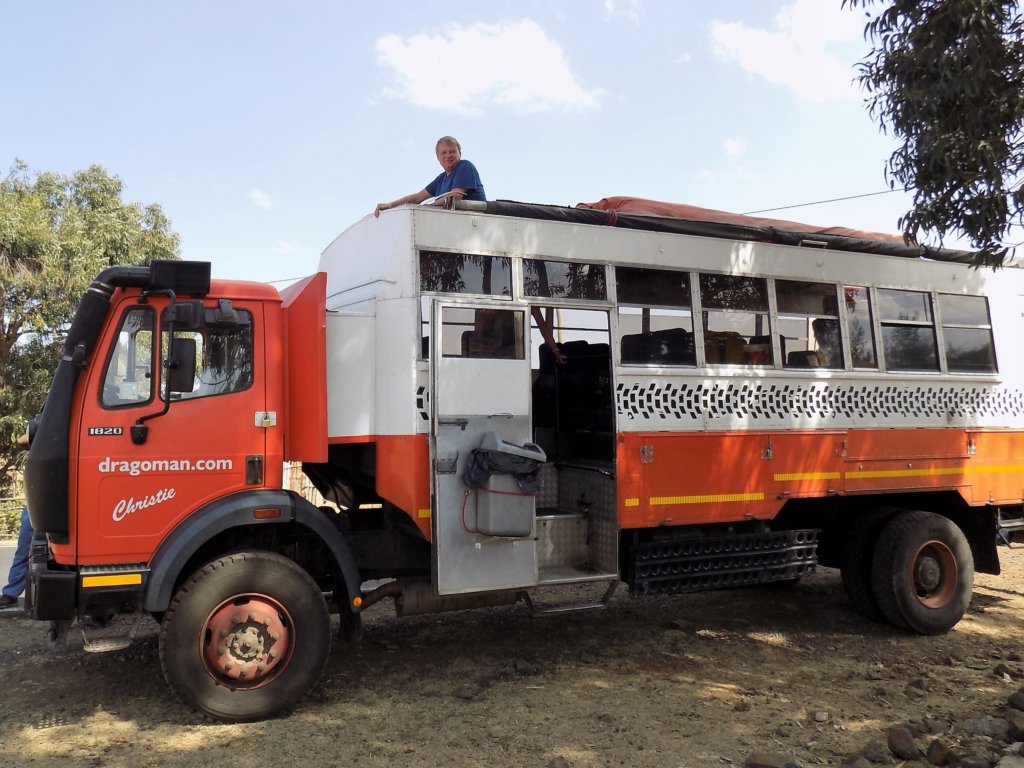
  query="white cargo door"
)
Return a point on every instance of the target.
[{"x": 480, "y": 388}]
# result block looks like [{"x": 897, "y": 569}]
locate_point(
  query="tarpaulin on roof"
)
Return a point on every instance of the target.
[
  {"x": 624, "y": 213},
  {"x": 680, "y": 211}
]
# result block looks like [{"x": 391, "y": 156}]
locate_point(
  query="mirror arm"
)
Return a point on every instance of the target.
[{"x": 139, "y": 431}]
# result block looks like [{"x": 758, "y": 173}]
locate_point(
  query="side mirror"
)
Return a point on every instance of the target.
[
  {"x": 181, "y": 366},
  {"x": 186, "y": 315}
]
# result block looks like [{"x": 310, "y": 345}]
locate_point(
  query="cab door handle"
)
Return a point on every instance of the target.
[{"x": 254, "y": 470}]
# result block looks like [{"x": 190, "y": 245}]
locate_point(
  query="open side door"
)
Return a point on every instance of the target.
[{"x": 483, "y": 539}]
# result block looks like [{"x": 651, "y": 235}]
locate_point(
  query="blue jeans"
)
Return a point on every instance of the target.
[{"x": 19, "y": 568}]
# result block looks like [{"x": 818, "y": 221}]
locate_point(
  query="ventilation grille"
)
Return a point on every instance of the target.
[{"x": 846, "y": 402}]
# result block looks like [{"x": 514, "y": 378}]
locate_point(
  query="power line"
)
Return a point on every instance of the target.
[{"x": 821, "y": 202}]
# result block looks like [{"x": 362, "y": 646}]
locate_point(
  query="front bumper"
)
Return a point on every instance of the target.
[
  {"x": 55, "y": 593},
  {"x": 50, "y": 593}
]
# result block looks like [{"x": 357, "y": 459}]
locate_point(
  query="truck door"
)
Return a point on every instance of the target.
[
  {"x": 207, "y": 445},
  {"x": 480, "y": 385}
]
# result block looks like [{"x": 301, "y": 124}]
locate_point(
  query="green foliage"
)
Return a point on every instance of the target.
[
  {"x": 10, "y": 517},
  {"x": 946, "y": 77},
  {"x": 56, "y": 234}
]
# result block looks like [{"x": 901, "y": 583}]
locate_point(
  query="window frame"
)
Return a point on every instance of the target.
[
  {"x": 809, "y": 318},
  {"x": 942, "y": 325},
  {"x": 884, "y": 323},
  {"x": 648, "y": 309},
  {"x": 768, "y": 312},
  {"x": 115, "y": 347},
  {"x": 564, "y": 300},
  {"x": 204, "y": 332}
]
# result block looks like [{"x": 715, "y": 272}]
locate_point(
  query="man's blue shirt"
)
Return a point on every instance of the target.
[{"x": 463, "y": 176}]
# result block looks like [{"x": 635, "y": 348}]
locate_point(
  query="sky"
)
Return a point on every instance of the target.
[{"x": 264, "y": 129}]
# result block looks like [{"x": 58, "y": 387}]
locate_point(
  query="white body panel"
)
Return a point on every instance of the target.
[{"x": 377, "y": 258}]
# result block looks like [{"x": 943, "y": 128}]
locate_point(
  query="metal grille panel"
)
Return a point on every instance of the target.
[{"x": 755, "y": 404}]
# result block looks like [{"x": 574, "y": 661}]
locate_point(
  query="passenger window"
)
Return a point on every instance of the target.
[
  {"x": 735, "y": 320},
  {"x": 859, "y": 327},
  {"x": 809, "y": 324},
  {"x": 224, "y": 359},
  {"x": 908, "y": 330},
  {"x": 564, "y": 280},
  {"x": 128, "y": 379},
  {"x": 489, "y": 333},
  {"x": 967, "y": 334},
  {"x": 655, "y": 317},
  {"x": 465, "y": 273}
]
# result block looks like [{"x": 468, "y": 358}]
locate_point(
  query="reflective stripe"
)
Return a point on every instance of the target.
[
  {"x": 806, "y": 476},
  {"x": 660, "y": 501},
  {"x": 935, "y": 471},
  {"x": 114, "y": 580}
]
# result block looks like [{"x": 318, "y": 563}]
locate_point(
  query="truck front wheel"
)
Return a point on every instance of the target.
[
  {"x": 245, "y": 637},
  {"x": 923, "y": 572}
]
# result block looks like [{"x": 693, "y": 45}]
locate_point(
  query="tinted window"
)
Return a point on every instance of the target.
[
  {"x": 564, "y": 280},
  {"x": 908, "y": 331},
  {"x": 734, "y": 292},
  {"x": 652, "y": 287},
  {"x": 967, "y": 334},
  {"x": 465, "y": 273}
]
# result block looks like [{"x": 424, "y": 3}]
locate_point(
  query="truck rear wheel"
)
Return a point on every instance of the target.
[
  {"x": 923, "y": 572},
  {"x": 245, "y": 637},
  {"x": 855, "y": 560}
]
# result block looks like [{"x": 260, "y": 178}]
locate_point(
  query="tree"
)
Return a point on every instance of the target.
[
  {"x": 56, "y": 234},
  {"x": 946, "y": 77}
]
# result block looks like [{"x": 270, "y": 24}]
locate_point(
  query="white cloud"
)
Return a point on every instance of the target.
[
  {"x": 284, "y": 248},
  {"x": 718, "y": 178},
  {"x": 628, "y": 8},
  {"x": 798, "y": 52},
  {"x": 262, "y": 199},
  {"x": 734, "y": 148},
  {"x": 465, "y": 69},
  {"x": 730, "y": 172}
]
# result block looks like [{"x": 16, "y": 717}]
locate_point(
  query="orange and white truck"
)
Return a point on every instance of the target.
[{"x": 504, "y": 397}]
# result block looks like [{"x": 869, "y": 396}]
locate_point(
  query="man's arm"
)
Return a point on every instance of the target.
[
  {"x": 447, "y": 198},
  {"x": 415, "y": 197},
  {"x": 549, "y": 337}
]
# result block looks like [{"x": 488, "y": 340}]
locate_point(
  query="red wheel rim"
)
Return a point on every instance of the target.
[
  {"x": 246, "y": 641},
  {"x": 934, "y": 574}
]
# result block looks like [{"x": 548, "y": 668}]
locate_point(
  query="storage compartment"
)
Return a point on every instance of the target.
[{"x": 506, "y": 478}]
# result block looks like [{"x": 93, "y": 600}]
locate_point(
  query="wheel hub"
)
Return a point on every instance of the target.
[
  {"x": 246, "y": 641},
  {"x": 935, "y": 574},
  {"x": 928, "y": 574}
]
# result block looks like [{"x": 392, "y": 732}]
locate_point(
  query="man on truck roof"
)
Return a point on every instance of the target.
[{"x": 459, "y": 180}]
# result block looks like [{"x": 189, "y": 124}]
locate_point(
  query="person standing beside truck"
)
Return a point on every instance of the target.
[
  {"x": 459, "y": 181},
  {"x": 18, "y": 574}
]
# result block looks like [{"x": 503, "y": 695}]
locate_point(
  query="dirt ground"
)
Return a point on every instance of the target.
[{"x": 685, "y": 681}]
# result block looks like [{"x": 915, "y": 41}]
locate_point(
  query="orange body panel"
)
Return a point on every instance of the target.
[
  {"x": 305, "y": 329},
  {"x": 688, "y": 478},
  {"x": 403, "y": 475}
]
